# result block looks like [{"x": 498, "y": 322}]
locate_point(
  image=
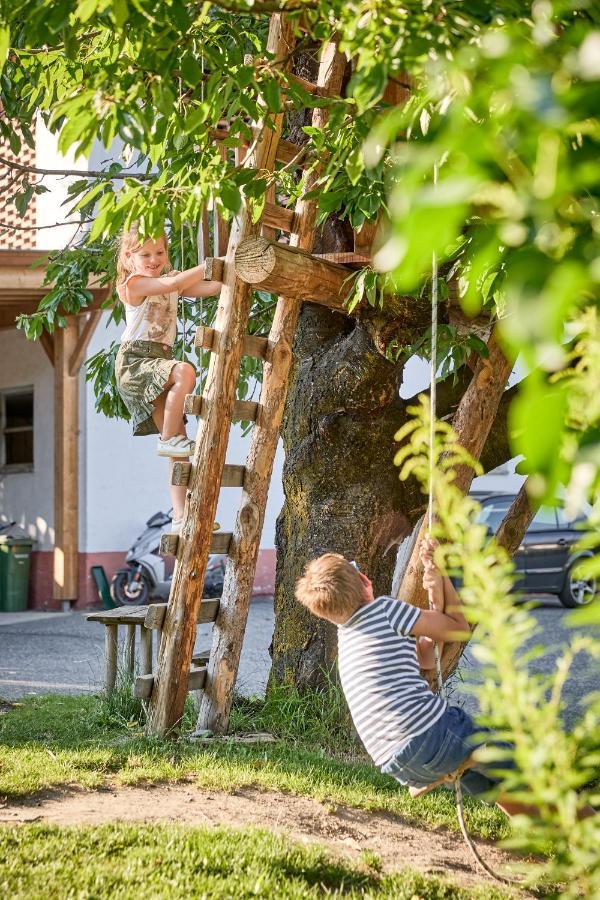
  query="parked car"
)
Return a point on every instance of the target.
[{"x": 546, "y": 560}]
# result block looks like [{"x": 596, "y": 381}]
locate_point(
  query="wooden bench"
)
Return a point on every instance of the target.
[{"x": 148, "y": 619}]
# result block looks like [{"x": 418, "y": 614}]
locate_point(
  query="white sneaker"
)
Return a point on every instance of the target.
[{"x": 177, "y": 446}]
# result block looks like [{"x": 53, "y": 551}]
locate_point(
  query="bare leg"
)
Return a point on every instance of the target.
[{"x": 182, "y": 381}]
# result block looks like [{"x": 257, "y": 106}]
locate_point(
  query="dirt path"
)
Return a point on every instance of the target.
[{"x": 341, "y": 829}]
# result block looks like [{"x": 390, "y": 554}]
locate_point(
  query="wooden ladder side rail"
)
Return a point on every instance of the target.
[
  {"x": 170, "y": 686},
  {"x": 228, "y": 633}
]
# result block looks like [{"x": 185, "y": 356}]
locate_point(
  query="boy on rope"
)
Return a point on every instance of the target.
[
  {"x": 152, "y": 384},
  {"x": 410, "y": 733}
]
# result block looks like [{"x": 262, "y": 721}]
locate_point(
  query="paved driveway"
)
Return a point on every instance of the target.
[{"x": 61, "y": 653}]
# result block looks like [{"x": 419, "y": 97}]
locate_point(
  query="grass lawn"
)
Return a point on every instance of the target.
[
  {"x": 141, "y": 861},
  {"x": 55, "y": 741}
]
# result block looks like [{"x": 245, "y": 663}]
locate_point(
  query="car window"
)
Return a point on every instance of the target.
[
  {"x": 493, "y": 512},
  {"x": 544, "y": 519}
]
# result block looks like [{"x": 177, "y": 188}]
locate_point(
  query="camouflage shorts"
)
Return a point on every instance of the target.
[{"x": 142, "y": 369}]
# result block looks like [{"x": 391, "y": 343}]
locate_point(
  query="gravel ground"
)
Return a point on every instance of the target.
[{"x": 44, "y": 653}]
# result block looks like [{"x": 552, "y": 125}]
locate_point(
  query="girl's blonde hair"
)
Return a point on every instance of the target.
[{"x": 129, "y": 242}]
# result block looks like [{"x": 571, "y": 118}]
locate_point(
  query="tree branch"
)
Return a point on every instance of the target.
[
  {"x": 35, "y": 170},
  {"x": 517, "y": 520}
]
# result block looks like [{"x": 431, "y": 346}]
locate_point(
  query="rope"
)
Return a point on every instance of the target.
[{"x": 430, "y": 517}]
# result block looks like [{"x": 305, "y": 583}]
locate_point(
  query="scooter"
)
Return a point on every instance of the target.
[{"x": 145, "y": 576}]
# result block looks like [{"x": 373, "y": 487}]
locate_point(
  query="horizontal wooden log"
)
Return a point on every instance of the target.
[
  {"x": 286, "y": 150},
  {"x": 254, "y": 345},
  {"x": 292, "y": 273},
  {"x": 155, "y": 613},
  {"x": 278, "y": 217},
  {"x": 143, "y": 685},
  {"x": 243, "y": 411},
  {"x": 214, "y": 267},
  {"x": 220, "y": 542},
  {"x": 182, "y": 469}
]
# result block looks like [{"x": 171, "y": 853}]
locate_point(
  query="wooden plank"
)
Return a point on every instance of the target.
[
  {"x": 253, "y": 345},
  {"x": 233, "y": 476},
  {"x": 243, "y": 410},
  {"x": 169, "y": 694},
  {"x": 363, "y": 239},
  {"x": 200, "y": 659},
  {"x": 66, "y": 464},
  {"x": 180, "y": 474},
  {"x": 111, "y": 637},
  {"x": 47, "y": 342},
  {"x": 144, "y": 684},
  {"x": 228, "y": 632},
  {"x": 295, "y": 274},
  {"x": 288, "y": 152},
  {"x": 278, "y": 217},
  {"x": 203, "y": 239},
  {"x": 356, "y": 260},
  {"x": 122, "y": 615},
  {"x": 83, "y": 343},
  {"x": 220, "y": 543},
  {"x": 267, "y": 231},
  {"x": 156, "y": 612},
  {"x": 214, "y": 268},
  {"x": 145, "y": 651}
]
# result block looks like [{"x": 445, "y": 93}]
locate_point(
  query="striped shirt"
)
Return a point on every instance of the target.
[{"x": 388, "y": 698}]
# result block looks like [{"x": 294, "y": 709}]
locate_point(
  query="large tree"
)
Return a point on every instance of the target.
[{"x": 162, "y": 80}]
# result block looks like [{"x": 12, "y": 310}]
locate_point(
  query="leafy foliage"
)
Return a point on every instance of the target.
[{"x": 555, "y": 771}]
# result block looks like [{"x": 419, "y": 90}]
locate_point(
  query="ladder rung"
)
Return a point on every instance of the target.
[
  {"x": 243, "y": 410},
  {"x": 200, "y": 659},
  {"x": 169, "y": 543},
  {"x": 314, "y": 89},
  {"x": 144, "y": 683},
  {"x": 182, "y": 470},
  {"x": 233, "y": 476},
  {"x": 155, "y": 613},
  {"x": 253, "y": 345},
  {"x": 278, "y": 217},
  {"x": 213, "y": 268},
  {"x": 287, "y": 151}
]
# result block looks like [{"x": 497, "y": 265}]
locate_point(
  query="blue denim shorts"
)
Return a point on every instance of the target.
[{"x": 442, "y": 748}]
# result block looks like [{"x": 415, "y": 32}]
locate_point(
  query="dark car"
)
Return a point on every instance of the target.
[{"x": 546, "y": 559}]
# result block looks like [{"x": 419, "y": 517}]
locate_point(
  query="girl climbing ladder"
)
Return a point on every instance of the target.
[{"x": 151, "y": 382}]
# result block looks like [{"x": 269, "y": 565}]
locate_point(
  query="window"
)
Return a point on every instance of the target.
[
  {"x": 493, "y": 512},
  {"x": 16, "y": 411},
  {"x": 544, "y": 519}
]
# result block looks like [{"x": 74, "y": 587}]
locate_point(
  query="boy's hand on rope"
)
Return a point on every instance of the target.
[{"x": 433, "y": 582}]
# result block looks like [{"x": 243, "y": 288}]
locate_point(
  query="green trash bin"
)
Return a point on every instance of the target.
[{"x": 15, "y": 557}]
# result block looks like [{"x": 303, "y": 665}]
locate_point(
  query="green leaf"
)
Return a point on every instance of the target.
[
  {"x": 4, "y": 43},
  {"x": 191, "y": 71}
]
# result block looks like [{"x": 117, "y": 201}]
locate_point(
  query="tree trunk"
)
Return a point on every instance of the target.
[{"x": 342, "y": 489}]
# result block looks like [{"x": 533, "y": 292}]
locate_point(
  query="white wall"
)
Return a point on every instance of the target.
[
  {"x": 27, "y": 497},
  {"x": 48, "y": 206}
]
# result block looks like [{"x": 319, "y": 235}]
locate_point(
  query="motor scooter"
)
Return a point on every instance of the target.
[{"x": 146, "y": 577}]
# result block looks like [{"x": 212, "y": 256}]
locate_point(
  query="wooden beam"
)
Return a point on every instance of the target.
[
  {"x": 220, "y": 543},
  {"x": 214, "y": 268},
  {"x": 233, "y": 476},
  {"x": 292, "y": 273},
  {"x": 66, "y": 464},
  {"x": 253, "y": 345},
  {"x": 47, "y": 344},
  {"x": 179, "y": 632},
  {"x": 228, "y": 633},
  {"x": 278, "y": 217},
  {"x": 156, "y": 612},
  {"x": 144, "y": 684},
  {"x": 83, "y": 343},
  {"x": 243, "y": 410}
]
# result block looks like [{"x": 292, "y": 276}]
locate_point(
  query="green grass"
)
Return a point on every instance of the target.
[
  {"x": 55, "y": 741},
  {"x": 167, "y": 861}
]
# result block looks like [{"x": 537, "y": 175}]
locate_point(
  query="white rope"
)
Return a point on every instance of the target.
[{"x": 433, "y": 403}]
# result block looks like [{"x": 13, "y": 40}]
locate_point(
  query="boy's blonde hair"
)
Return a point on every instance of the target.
[
  {"x": 130, "y": 241},
  {"x": 330, "y": 585}
]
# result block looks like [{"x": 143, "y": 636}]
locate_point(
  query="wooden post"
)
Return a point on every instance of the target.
[
  {"x": 228, "y": 633},
  {"x": 145, "y": 651},
  {"x": 170, "y": 686},
  {"x": 292, "y": 273},
  {"x": 66, "y": 464},
  {"x": 129, "y": 650},
  {"x": 111, "y": 635}
]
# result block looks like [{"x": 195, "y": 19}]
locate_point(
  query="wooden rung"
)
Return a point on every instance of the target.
[
  {"x": 200, "y": 659},
  {"x": 144, "y": 683},
  {"x": 278, "y": 217},
  {"x": 287, "y": 152},
  {"x": 213, "y": 268},
  {"x": 253, "y": 344},
  {"x": 314, "y": 89},
  {"x": 243, "y": 410},
  {"x": 155, "y": 613},
  {"x": 220, "y": 542},
  {"x": 168, "y": 544},
  {"x": 182, "y": 470},
  {"x": 233, "y": 476},
  {"x": 346, "y": 259}
]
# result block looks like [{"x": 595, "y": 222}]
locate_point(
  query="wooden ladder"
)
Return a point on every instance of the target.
[{"x": 228, "y": 341}]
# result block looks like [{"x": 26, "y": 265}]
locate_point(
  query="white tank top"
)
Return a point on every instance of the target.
[{"x": 155, "y": 319}]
